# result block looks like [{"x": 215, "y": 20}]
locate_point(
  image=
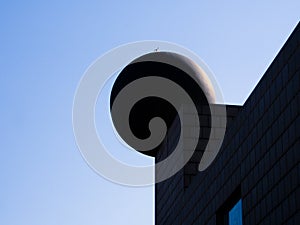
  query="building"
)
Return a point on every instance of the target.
[{"x": 255, "y": 178}]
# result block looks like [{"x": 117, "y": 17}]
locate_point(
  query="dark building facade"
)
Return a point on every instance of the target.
[{"x": 255, "y": 177}]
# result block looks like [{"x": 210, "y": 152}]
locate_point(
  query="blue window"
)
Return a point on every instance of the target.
[
  {"x": 236, "y": 214},
  {"x": 231, "y": 212}
]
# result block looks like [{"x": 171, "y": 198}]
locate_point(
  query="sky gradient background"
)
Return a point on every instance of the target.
[{"x": 45, "y": 47}]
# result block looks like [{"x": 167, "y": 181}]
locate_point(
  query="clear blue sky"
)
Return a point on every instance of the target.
[{"x": 45, "y": 47}]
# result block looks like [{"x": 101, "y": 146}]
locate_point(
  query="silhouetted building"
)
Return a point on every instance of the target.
[{"x": 256, "y": 175}]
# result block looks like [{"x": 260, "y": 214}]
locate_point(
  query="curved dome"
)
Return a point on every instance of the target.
[
  {"x": 164, "y": 74},
  {"x": 185, "y": 64}
]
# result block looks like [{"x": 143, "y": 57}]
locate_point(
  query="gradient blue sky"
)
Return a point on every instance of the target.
[{"x": 45, "y": 47}]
